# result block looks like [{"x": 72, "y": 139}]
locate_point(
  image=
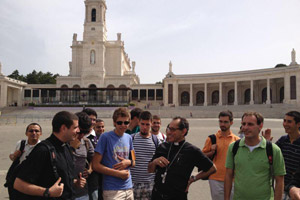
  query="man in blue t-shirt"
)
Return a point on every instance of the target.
[{"x": 113, "y": 156}]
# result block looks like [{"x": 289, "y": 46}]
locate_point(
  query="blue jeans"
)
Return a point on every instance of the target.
[{"x": 85, "y": 197}]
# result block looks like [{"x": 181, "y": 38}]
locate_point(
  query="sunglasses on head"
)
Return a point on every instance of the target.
[{"x": 121, "y": 122}]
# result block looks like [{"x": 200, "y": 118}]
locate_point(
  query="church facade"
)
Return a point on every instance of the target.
[{"x": 101, "y": 73}]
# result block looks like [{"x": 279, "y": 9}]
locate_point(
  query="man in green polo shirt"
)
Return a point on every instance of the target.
[{"x": 250, "y": 166}]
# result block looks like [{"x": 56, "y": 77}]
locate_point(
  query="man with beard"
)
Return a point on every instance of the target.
[
  {"x": 155, "y": 127},
  {"x": 144, "y": 144},
  {"x": 218, "y": 151}
]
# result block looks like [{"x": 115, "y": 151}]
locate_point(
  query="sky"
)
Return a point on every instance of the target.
[{"x": 198, "y": 36}]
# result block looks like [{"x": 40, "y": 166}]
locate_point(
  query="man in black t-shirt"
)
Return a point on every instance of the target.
[
  {"x": 174, "y": 162},
  {"x": 37, "y": 179}
]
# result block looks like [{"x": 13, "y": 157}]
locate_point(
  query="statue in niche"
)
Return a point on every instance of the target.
[
  {"x": 92, "y": 57},
  {"x": 293, "y": 56}
]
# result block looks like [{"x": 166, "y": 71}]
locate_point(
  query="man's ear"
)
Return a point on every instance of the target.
[{"x": 63, "y": 128}]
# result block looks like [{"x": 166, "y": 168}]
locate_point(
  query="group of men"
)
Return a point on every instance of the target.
[{"x": 137, "y": 161}]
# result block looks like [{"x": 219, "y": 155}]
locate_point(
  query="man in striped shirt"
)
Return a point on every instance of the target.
[
  {"x": 290, "y": 146},
  {"x": 144, "y": 144}
]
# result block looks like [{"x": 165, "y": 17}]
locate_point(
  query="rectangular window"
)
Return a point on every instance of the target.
[
  {"x": 135, "y": 95},
  {"x": 35, "y": 93},
  {"x": 159, "y": 94},
  {"x": 293, "y": 87},
  {"x": 27, "y": 93},
  {"x": 143, "y": 94},
  {"x": 170, "y": 94},
  {"x": 151, "y": 94}
]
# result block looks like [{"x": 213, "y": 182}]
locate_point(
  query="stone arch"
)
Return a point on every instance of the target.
[
  {"x": 200, "y": 98},
  {"x": 247, "y": 96},
  {"x": 185, "y": 98},
  {"x": 281, "y": 94},
  {"x": 215, "y": 97},
  {"x": 230, "y": 97},
  {"x": 93, "y": 15},
  {"x": 92, "y": 93}
]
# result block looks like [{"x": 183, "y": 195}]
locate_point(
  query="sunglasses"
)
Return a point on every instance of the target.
[
  {"x": 32, "y": 130},
  {"x": 121, "y": 122}
]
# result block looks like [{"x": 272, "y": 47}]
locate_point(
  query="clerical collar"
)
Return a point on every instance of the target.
[{"x": 178, "y": 143}]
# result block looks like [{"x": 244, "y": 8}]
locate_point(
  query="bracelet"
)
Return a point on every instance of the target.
[{"x": 46, "y": 193}]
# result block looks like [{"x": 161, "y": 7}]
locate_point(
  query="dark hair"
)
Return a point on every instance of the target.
[
  {"x": 156, "y": 117},
  {"x": 146, "y": 115},
  {"x": 62, "y": 118},
  {"x": 226, "y": 113},
  {"x": 258, "y": 116},
  {"x": 99, "y": 120},
  {"x": 182, "y": 124},
  {"x": 136, "y": 113},
  {"x": 120, "y": 112},
  {"x": 33, "y": 124},
  {"x": 90, "y": 111},
  {"x": 295, "y": 115},
  {"x": 85, "y": 123}
]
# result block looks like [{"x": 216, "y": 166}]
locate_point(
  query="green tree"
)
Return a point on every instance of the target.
[{"x": 15, "y": 75}]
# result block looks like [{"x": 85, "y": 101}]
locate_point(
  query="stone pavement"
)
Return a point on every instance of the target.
[{"x": 199, "y": 130}]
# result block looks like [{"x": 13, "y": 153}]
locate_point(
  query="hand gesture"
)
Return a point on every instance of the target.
[
  {"x": 191, "y": 180},
  {"x": 123, "y": 174},
  {"x": 295, "y": 193},
  {"x": 57, "y": 189},
  {"x": 267, "y": 134},
  {"x": 213, "y": 147},
  {"x": 15, "y": 155},
  {"x": 123, "y": 164},
  {"x": 161, "y": 161},
  {"x": 80, "y": 182}
]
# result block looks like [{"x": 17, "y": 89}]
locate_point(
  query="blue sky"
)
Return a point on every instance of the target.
[{"x": 197, "y": 36}]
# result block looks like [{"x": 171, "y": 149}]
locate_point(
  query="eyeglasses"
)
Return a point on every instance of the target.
[
  {"x": 171, "y": 129},
  {"x": 32, "y": 130},
  {"x": 121, "y": 122}
]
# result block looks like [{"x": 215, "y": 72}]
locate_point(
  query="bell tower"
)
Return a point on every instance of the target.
[{"x": 95, "y": 22}]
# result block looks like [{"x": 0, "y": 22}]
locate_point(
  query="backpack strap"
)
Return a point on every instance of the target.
[
  {"x": 235, "y": 147},
  {"x": 52, "y": 153},
  {"x": 269, "y": 150},
  {"x": 22, "y": 146},
  {"x": 213, "y": 140},
  {"x": 155, "y": 140}
]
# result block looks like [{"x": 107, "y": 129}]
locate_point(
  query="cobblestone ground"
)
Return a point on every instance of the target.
[{"x": 199, "y": 130}]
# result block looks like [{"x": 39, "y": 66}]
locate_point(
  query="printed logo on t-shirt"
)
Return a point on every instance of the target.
[{"x": 120, "y": 150}]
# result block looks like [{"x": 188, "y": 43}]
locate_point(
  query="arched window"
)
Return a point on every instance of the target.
[
  {"x": 185, "y": 98},
  {"x": 93, "y": 15},
  {"x": 92, "y": 93},
  {"x": 264, "y": 95},
  {"x": 230, "y": 97},
  {"x": 215, "y": 97},
  {"x": 281, "y": 95},
  {"x": 93, "y": 58},
  {"x": 200, "y": 98},
  {"x": 247, "y": 96}
]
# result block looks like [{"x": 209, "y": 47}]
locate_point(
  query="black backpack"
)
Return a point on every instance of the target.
[
  {"x": 269, "y": 150},
  {"x": 213, "y": 140},
  {"x": 14, "y": 194},
  {"x": 11, "y": 173}
]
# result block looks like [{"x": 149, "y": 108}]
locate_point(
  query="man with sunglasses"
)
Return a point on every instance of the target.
[
  {"x": 114, "y": 155},
  {"x": 33, "y": 133},
  {"x": 217, "y": 152},
  {"x": 174, "y": 162}
]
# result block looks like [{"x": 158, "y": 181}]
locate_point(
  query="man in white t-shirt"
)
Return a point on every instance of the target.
[
  {"x": 155, "y": 127},
  {"x": 33, "y": 133}
]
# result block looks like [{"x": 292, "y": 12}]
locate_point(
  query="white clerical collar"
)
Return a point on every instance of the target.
[{"x": 176, "y": 143}]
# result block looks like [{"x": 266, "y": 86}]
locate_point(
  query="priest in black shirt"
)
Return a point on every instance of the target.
[
  {"x": 37, "y": 179},
  {"x": 174, "y": 162}
]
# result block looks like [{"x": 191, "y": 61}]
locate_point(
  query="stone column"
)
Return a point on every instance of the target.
[
  {"x": 3, "y": 95},
  {"x": 31, "y": 95},
  {"x": 139, "y": 94},
  {"x": 251, "y": 93},
  {"x": 205, "y": 94},
  {"x": 220, "y": 94},
  {"x": 287, "y": 89},
  {"x": 40, "y": 96},
  {"x": 268, "y": 92},
  {"x": 165, "y": 93},
  {"x": 175, "y": 93},
  {"x": 235, "y": 93},
  {"x": 147, "y": 95},
  {"x": 191, "y": 95},
  {"x": 20, "y": 97}
]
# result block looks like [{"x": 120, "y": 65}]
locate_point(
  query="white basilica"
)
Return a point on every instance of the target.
[{"x": 101, "y": 73}]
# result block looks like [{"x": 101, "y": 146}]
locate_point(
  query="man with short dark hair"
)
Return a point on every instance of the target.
[
  {"x": 290, "y": 147},
  {"x": 37, "y": 178},
  {"x": 155, "y": 129},
  {"x": 174, "y": 162},
  {"x": 144, "y": 144},
  {"x": 218, "y": 151},
  {"x": 250, "y": 165},
  {"x": 134, "y": 121},
  {"x": 114, "y": 155}
]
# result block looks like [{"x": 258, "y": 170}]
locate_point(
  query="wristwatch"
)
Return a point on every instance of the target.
[
  {"x": 46, "y": 193},
  {"x": 194, "y": 178}
]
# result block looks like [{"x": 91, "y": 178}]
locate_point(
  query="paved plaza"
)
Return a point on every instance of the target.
[{"x": 199, "y": 130}]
